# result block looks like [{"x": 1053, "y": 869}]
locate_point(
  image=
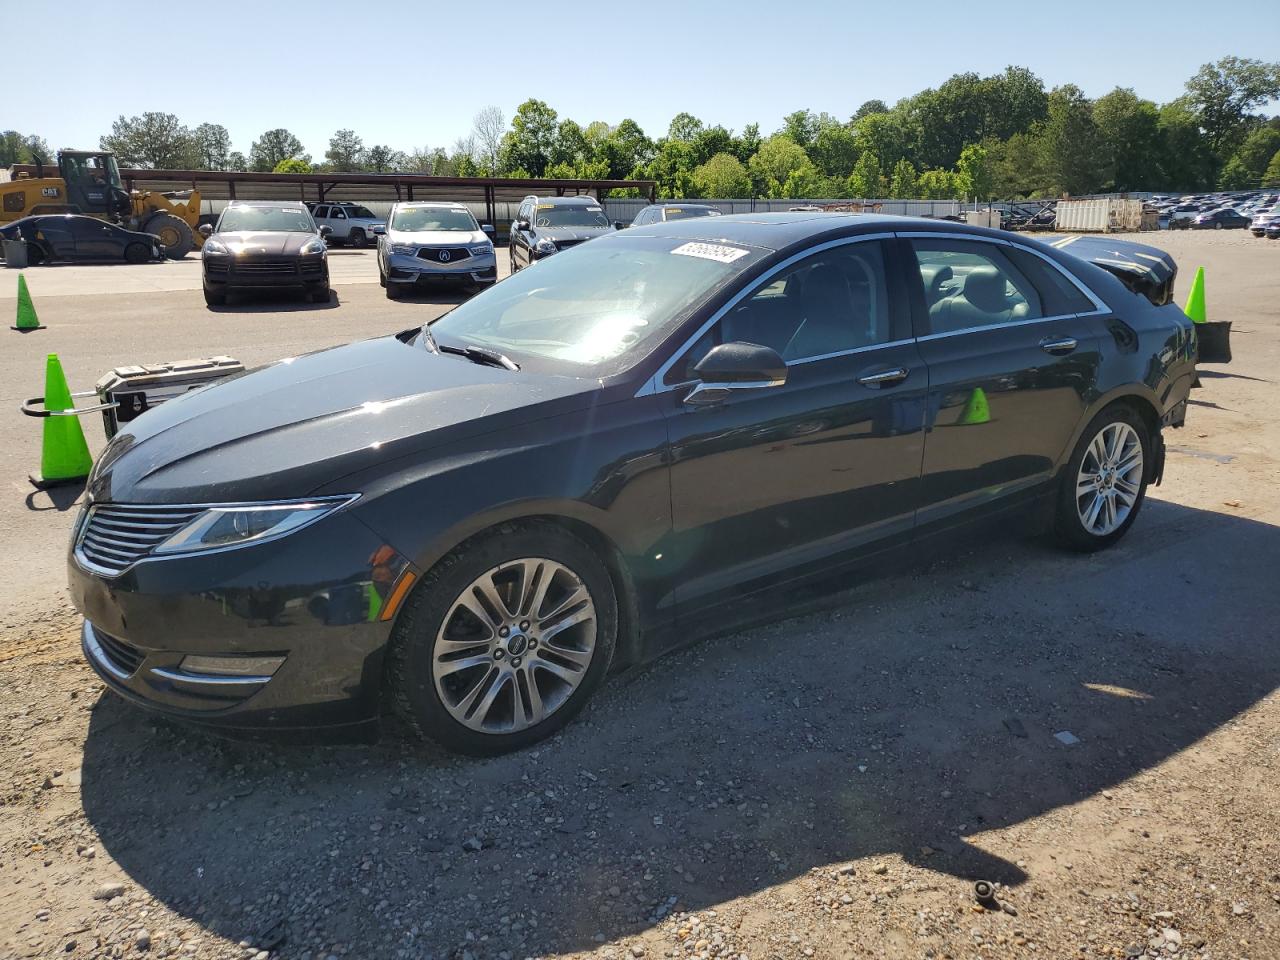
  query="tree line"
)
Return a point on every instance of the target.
[{"x": 1002, "y": 136}]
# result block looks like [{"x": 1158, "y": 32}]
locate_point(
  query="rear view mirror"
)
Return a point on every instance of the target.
[
  {"x": 326, "y": 231},
  {"x": 205, "y": 230},
  {"x": 736, "y": 366}
]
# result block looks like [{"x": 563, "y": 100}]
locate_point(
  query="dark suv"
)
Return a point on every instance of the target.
[
  {"x": 547, "y": 225},
  {"x": 260, "y": 244}
]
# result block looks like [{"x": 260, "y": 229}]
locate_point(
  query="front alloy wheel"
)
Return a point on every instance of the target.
[
  {"x": 503, "y": 641},
  {"x": 514, "y": 646}
]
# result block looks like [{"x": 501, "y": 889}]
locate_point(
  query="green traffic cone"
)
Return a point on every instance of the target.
[
  {"x": 976, "y": 409},
  {"x": 64, "y": 455},
  {"x": 1195, "y": 299},
  {"x": 27, "y": 320}
]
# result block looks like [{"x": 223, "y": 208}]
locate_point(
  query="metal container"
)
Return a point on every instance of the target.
[
  {"x": 132, "y": 391},
  {"x": 15, "y": 254}
]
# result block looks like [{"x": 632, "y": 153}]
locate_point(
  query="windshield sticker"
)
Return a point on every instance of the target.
[
  {"x": 711, "y": 251},
  {"x": 546, "y": 206}
]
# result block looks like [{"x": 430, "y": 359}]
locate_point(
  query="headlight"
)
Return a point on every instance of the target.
[
  {"x": 481, "y": 250},
  {"x": 313, "y": 247},
  {"x": 405, "y": 249},
  {"x": 214, "y": 248},
  {"x": 243, "y": 524},
  {"x": 545, "y": 245}
]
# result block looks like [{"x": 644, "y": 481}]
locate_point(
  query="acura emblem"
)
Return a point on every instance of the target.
[{"x": 444, "y": 256}]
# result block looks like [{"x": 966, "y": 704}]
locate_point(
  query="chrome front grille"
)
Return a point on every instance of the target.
[{"x": 117, "y": 535}]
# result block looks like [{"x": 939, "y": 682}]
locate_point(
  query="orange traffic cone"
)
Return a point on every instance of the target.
[{"x": 64, "y": 455}]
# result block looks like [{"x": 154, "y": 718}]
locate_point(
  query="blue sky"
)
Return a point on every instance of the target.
[{"x": 414, "y": 74}]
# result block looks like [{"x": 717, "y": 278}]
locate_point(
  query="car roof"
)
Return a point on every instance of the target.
[
  {"x": 683, "y": 203},
  {"x": 441, "y": 204},
  {"x": 296, "y": 204},
  {"x": 775, "y": 231},
  {"x": 564, "y": 201}
]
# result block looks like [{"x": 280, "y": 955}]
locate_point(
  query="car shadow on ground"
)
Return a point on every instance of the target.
[
  {"x": 274, "y": 301},
  {"x": 905, "y": 717}
]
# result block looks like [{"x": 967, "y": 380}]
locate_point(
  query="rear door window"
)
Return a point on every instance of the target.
[
  {"x": 971, "y": 284},
  {"x": 1059, "y": 296}
]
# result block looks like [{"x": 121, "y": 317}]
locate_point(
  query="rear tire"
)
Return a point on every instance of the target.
[
  {"x": 357, "y": 239},
  {"x": 1105, "y": 481},
  {"x": 137, "y": 253},
  {"x": 546, "y": 662},
  {"x": 173, "y": 232},
  {"x": 214, "y": 298}
]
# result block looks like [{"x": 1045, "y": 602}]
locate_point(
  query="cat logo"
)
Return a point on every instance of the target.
[{"x": 49, "y": 192}]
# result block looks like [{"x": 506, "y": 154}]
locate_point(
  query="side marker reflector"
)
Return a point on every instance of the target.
[{"x": 397, "y": 595}]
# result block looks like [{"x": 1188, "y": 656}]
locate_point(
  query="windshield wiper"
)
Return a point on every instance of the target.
[{"x": 482, "y": 355}]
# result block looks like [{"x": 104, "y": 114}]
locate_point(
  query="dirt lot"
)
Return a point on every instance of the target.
[{"x": 825, "y": 786}]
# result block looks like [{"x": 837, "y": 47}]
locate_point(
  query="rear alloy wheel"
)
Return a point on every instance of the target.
[
  {"x": 1106, "y": 480},
  {"x": 356, "y": 239},
  {"x": 1218, "y": 225},
  {"x": 137, "y": 253},
  {"x": 505, "y": 640}
]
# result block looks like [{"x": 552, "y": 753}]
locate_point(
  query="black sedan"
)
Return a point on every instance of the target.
[
  {"x": 70, "y": 236},
  {"x": 668, "y": 429},
  {"x": 264, "y": 246},
  {"x": 1224, "y": 219}
]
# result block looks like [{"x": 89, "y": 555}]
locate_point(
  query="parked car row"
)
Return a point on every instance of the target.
[{"x": 1217, "y": 211}]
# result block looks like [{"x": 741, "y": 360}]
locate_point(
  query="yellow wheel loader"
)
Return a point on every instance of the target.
[{"x": 89, "y": 182}]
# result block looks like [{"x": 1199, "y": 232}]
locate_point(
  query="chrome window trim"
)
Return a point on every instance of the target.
[
  {"x": 654, "y": 384},
  {"x": 1001, "y": 326}
]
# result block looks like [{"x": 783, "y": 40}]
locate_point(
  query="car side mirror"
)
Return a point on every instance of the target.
[
  {"x": 618, "y": 224},
  {"x": 205, "y": 230},
  {"x": 522, "y": 224},
  {"x": 487, "y": 228},
  {"x": 326, "y": 231},
  {"x": 736, "y": 366}
]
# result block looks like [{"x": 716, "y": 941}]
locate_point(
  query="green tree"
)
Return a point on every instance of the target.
[
  {"x": 710, "y": 141},
  {"x": 902, "y": 185},
  {"x": 1130, "y": 128},
  {"x": 774, "y": 163},
  {"x": 1074, "y": 153},
  {"x": 801, "y": 126},
  {"x": 570, "y": 144},
  {"x": 274, "y": 146},
  {"x": 973, "y": 173},
  {"x": 1017, "y": 167},
  {"x": 684, "y": 126},
  {"x": 834, "y": 150},
  {"x": 292, "y": 165},
  {"x": 867, "y": 181},
  {"x": 346, "y": 152},
  {"x": 722, "y": 176},
  {"x": 672, "y": 167},
  {"x": 487, "y": 128},
  {"x": 237, "y": 161},
  {"x": 1271, "y": 176},
  {"x": 383, "y": 159},
  {"x": 1245, "y": 168},
  {"x": 213, "y": 146},
  {"x": 887, "y": 135},
  {"x": 1224, "y": 94},
  {"x": 1186, "y": 162},
  {"x": 868, "y": 108},
  {"x": 155, "y": 140},
  {"x": 747, "y": 143},
  {"x": 531, "y": 142},
  {"x": 937, "y": 184},
  {"x": 22, "y": 148},
  {"x": 1015, "y": 101}
]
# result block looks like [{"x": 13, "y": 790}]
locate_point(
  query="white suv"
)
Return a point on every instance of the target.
[
  {"x": 352, "y": 224},
  {"x": 428, "y": 243}
]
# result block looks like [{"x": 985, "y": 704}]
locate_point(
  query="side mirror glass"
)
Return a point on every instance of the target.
[
  {"x": 522, "y": 224},
  {"x": 326, "y": 231},
  {"x": 736, "y": 366},
  {"x": 205, "y": 230}
]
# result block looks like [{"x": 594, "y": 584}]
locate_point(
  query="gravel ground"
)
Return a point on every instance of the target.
[{"x": 1097, "y": 736}]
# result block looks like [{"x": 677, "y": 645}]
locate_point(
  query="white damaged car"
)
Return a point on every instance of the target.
[{"x": 431, "y": 243}]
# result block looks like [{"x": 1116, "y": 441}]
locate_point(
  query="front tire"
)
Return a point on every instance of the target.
[
  {"x": 1105, "y": 482},
  {"x": 137, "y": 253},
  {"x": 357, "y": 239},
  {"x": 503, "y": 642},
  {"x": 214, "y": 298}
]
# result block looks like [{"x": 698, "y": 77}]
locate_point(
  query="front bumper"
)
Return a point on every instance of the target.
[
  {"x": 313, "y": 598},
  {"x": 407, "y": 269},
  {"x": 297, "y": 273}
]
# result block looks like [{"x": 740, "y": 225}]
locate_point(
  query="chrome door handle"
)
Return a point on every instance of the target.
[
  {"x": 884, "y": 377},
  {"x": 1058, "y": 345}
]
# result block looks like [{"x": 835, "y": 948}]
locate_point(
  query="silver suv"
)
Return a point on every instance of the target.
[
  {"x": 428, "y": 243},
  {"x": 351, "y": 223}
]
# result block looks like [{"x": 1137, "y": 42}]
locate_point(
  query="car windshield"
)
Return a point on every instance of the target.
[
  {"x": 688, "y": 213},
  {"x": 553, "y": 215},
  {"x": 416, "y": 219},
  {"x": 599, "y": 308},
  {"x": 364, "y": 213},
  {"x": 266, "y": 219}
]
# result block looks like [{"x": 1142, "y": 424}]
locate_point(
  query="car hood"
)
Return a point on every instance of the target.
[
  {"x": 438, "y": 238},
  {"x": 248, "y": 242},
  {"x": 560, "y": 234},
  {"x": 285, "y": 430}
]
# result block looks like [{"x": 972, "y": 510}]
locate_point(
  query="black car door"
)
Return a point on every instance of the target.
[
  {"x": 784, "y": 481},
  {"x": 55, "y": 234},
  {"x": 96, "y": 240},
  {"x": 1012, "y": 345}
]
